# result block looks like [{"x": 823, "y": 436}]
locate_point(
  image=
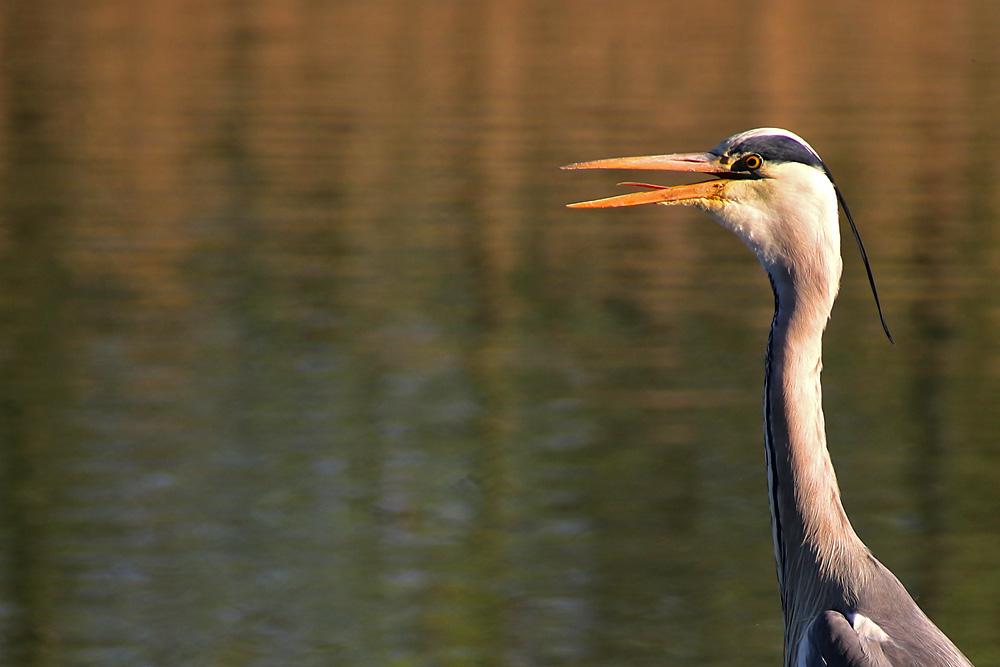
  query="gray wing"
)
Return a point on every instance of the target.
[{"x": 832, "y": 641}]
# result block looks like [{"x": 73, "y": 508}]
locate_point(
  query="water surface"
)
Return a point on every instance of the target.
[{"x": 303, "y": 361}]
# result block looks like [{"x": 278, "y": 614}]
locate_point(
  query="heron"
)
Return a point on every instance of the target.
[{"x": 840, "y": 606}]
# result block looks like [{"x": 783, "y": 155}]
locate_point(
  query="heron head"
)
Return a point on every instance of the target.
[{"x": 769, "y": 187}]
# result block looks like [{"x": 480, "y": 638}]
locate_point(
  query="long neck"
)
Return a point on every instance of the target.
[{"x": 813, "y": 538}]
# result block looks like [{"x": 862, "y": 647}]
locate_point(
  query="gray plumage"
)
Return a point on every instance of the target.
[{"x": 841, "y": 607}]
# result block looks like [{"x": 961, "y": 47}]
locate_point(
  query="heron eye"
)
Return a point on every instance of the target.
[{"x": 753, "y": 161}]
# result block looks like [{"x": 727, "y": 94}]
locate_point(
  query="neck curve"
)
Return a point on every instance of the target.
[{"x": 813, "y": 538}]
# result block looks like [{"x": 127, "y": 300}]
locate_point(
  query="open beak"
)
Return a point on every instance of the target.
[{"x": 705, "y": 163}]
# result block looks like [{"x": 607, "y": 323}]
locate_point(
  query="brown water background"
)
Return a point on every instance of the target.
[{"x": 304, "y": 362}]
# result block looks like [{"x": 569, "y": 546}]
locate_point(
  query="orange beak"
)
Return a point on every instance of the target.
[{"x": 705, "y": 163}]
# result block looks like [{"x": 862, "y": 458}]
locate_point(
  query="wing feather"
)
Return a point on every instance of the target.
[{"x": 832, "y": 641}]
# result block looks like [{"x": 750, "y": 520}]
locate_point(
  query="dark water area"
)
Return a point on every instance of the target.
[{"x": 303, "y": 361}]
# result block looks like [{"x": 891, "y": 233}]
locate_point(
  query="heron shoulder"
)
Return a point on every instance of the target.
[{"x": 851, "y": 640}]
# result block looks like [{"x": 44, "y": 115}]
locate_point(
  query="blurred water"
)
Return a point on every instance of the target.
[{"x": 304, "y": 362}]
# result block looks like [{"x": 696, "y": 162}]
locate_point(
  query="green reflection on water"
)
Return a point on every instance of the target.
[{"x": 305, "y": 363}]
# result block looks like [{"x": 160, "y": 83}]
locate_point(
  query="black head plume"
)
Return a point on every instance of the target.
[{"x": 864, "y": 257}]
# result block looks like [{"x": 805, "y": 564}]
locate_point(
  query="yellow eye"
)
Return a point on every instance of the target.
[{"x": 753, "y": 161}]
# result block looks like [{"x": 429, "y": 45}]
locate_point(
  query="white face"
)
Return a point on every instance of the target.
[
  {"x": 771, "y": 189},
  {"x": 788, "y": 217},
  {"x": 790, "y": 209}
]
